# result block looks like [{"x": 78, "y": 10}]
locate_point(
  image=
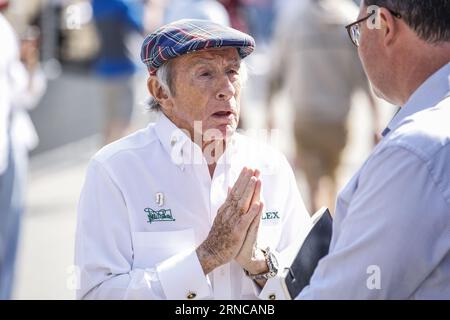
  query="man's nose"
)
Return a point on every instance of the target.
[{"x": 226, "y": 89}]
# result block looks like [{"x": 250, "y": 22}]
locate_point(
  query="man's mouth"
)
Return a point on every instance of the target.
[{"x": 223, "y": 114}]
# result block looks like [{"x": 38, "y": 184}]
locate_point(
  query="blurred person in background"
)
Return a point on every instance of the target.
[
  {"x": 321, "y": 70},
  {"x": 211, "y": 10},
  {"x": 260, "y": 16},
  {"x": 22, "y": 84},
  {"x": 117, "y": 21},
  {"x": 235, "y": 10}
]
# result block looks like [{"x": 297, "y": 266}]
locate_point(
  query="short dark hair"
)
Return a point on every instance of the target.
[{"x": 430, "y": 19}]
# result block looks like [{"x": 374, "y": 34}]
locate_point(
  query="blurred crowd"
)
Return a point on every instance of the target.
[{"x": 302, "y": 49}]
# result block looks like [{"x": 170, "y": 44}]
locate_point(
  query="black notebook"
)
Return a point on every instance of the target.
[{"x": 314, "y": 247}]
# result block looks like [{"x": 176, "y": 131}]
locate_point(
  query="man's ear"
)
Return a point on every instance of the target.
[
  {"x": 158, "y": 91},
  {"x": 389, "y": 27}
]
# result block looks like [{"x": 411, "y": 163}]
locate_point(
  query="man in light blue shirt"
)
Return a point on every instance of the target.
[{"x": 391, "y": 232}]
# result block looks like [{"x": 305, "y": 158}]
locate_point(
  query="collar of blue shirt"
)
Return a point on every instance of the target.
[{"x": 430, "y": 93}]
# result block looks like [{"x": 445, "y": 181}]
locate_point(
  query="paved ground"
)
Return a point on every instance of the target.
[{"x": 47, "y": 240}]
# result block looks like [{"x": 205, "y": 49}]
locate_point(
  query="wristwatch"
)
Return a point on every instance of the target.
[{"x": 272, "y": 264}]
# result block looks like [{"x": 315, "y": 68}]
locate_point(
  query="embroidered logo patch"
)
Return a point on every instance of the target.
[
  {"x": 271, "y": 215},
  {"x": 159, "y": 215}
]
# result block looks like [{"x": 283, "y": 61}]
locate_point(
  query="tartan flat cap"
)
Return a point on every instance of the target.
[{"x": 189, "y": 35}]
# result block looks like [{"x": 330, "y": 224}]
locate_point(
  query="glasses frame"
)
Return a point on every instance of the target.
[{"x": 357, "y": 22}]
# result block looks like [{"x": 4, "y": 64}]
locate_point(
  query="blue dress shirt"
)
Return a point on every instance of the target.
[{"x": 391, "y": 232}]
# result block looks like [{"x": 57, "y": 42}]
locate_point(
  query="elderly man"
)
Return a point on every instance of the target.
[
  {"x": 175, "y": 211},
  {"x": 391, "y": 228}
]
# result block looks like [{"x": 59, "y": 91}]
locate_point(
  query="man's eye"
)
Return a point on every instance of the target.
[
  {"x": 205, "y": 74},
  {"x": 233, "y": 72}
]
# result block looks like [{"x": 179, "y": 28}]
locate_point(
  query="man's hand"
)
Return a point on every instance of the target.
[
  {"x": 247, "y": 256},
  {"x": 250, "y": 257},
  {"x": 231, "y": 224}
]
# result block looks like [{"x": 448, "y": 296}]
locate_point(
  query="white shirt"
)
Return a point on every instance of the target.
[
  {"x": 8, "y": 56},
  {"x": 126, "y": 251},
  {"x": 391, "y": 231}
]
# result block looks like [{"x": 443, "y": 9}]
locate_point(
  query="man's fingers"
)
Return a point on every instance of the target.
[
  {"x": 247, "y": 219},
  {"x": 254, "y": 226},
  {"x": 257, "y": 193},
  {"x": 245, "y": 200},
  {"x": 238, "y": 181},
  {"x": 242, "y": 182}
]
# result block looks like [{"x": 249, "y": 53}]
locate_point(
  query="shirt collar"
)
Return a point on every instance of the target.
[
  {"x": 433, "y": 90},
  {"x": 172, "y": 138}
]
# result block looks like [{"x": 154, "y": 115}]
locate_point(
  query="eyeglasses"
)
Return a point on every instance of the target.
[{"x": 354, "y": 31}]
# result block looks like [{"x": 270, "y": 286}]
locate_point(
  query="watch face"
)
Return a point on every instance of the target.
[
  {"x": 274, "y": 261},
  {"x": 273, "y": 266}
]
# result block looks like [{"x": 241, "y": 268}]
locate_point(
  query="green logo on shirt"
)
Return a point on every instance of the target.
[
  {"x": 271, "y": 215},
  {"x": 159, "y": 215}
]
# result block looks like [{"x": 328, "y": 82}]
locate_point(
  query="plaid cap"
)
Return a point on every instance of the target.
[{"x": 189, "y": 35}]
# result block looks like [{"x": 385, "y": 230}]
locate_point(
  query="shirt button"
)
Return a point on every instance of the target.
[
  {"x": 191, "y": 295},
  {"x": 272, "y": 296}
]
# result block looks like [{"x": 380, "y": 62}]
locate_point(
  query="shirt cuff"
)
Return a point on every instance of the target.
[
  {"x": 182, "y": 277},
  {"x": 273, "y": 289}
]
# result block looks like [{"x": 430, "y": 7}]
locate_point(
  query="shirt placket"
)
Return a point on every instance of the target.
[{"x": 215, "y": 189}]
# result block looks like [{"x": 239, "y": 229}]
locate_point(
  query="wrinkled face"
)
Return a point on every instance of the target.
[{"x": 207, "y": 87}]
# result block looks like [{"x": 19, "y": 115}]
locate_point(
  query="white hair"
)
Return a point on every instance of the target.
[{"x": 163, "y": 75}]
